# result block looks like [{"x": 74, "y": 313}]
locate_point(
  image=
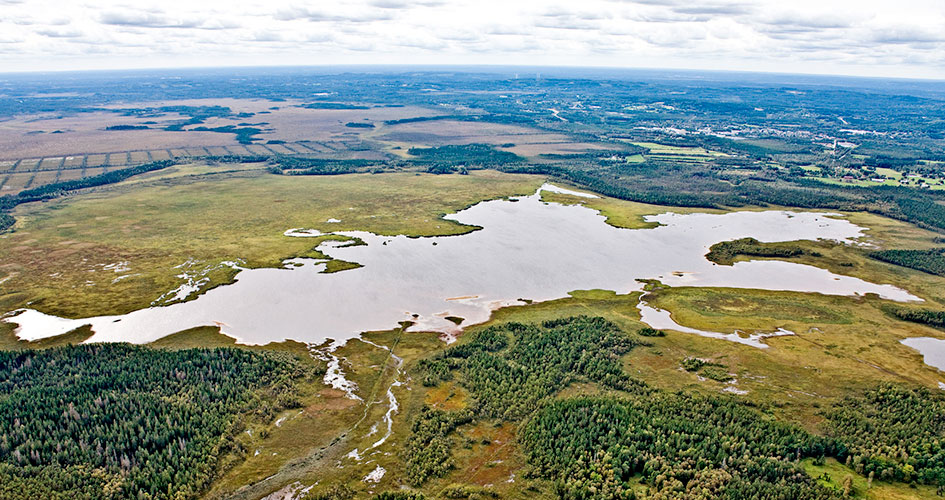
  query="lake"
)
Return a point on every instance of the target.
[
  {"x": 932, "y": 350},
  {"x": 525, "y": 249}
]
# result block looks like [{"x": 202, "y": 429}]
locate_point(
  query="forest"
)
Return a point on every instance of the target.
[
  {"x": 468, "y": 155},
  {"x": 681, "y": 446},
  {"x": 118, "y": 421},
  {"x": 510, "y": 369},
  {"x": 636, "y": 440},
  {"x": 893, "y": 432},
  {"x": 928, "y": 261},
  {"x": 929, "y": 317}
]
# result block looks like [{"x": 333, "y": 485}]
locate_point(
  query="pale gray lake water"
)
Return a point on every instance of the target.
[
  {"x": 526, "y": 249},
  {"x": 932, "y": 350}
]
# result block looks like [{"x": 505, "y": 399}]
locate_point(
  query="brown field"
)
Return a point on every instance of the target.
[
  {"x": 85, "y": 133},
  {"x": 295, "y": 148},
  {"x": 28, "y": 165},
  {"x": 33, "y": 135},
  {"x": 160, "y": 154},
  {"x": 256, "y": 149},
  {"x": 74, "y": 161},
  {"x": 313, "y": 147},
  {"x": 526, "y": 141},
  {"x": 279, "y": 149},
  {"x": 70, "y": 174},
  {"x": 539, "y": 148},
  {"x": 96, "y": 160},
  {"x": 139, "y": 157},
  {"x": 82, "y": 143},
  {"x": 318, "y": 147},
  {"x": 49, "y": 163},
  {"x": 462, "y": 128},
  {"x": 14, "y": 182},
  {"x": 44, "y": 177}
]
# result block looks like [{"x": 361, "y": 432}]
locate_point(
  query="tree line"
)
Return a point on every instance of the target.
[{"x": 930, "y": 261}]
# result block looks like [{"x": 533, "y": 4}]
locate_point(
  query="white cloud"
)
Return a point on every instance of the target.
[{"x": 871, "y": 37}]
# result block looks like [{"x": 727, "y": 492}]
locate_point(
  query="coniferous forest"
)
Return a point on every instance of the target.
[{"x": 117, "y": 421}]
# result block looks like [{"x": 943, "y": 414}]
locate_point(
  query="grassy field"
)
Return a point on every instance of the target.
[
  {"x": 115, "y": 249},
  {"x": 833, "y": 473}
]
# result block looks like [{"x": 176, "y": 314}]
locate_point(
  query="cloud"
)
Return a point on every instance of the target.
[
  {"x": 304, "y": 13},
  {"x": 51, "y": 33},
  {"x": 802, "y": 35},
  {"x": 141, "y": 19},
  {"x": 907, "y": 35},
  {"x": 732, "y": 9},
  {"x": 405, "y": 4},
  {"x": 390, "y": 4},
  {"x": 800, "y": 22}
]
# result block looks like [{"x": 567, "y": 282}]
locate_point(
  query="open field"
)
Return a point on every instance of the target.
[{"x": 524, "y": 141}]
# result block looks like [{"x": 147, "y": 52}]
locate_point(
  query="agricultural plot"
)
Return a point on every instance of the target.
[
  {"x": 29, "y": 164},
  {"x": 74, "y": 161},
  {"x": 138, "y": 157},
  {"x": 159, "y": 155},
  {"x": 279, "y": 149},
  {"x": 95, "y": 160}
]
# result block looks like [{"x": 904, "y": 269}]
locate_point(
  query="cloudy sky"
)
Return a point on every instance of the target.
[{"x": 902, "y": 38}]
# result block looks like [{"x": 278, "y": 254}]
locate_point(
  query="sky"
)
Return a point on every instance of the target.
[{"x": 887, "y": 38}]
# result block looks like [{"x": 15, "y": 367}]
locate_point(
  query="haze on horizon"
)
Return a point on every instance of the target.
[{"x": 864, "y": 38}]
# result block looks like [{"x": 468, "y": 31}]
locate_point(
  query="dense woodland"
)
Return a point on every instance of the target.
[
  {"x": 681, "y": 446},
  {"x": 928, "y": 261},
  {"x": 444, "y": 159},
  {"x": 929, "y": 317},
  {"x": 117, "y": 421},
  {"x": 893, "y": 432},
  {"x": 509, "y": 370}
]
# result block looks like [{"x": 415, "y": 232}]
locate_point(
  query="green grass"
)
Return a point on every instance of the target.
[
  {"x": 621, "y": 213},
  {"x": 832, "y": 474},
  {"x": 9, "y": 341}
]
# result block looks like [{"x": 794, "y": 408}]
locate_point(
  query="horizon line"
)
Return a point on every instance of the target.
[{"x": 407, "y": 66}]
